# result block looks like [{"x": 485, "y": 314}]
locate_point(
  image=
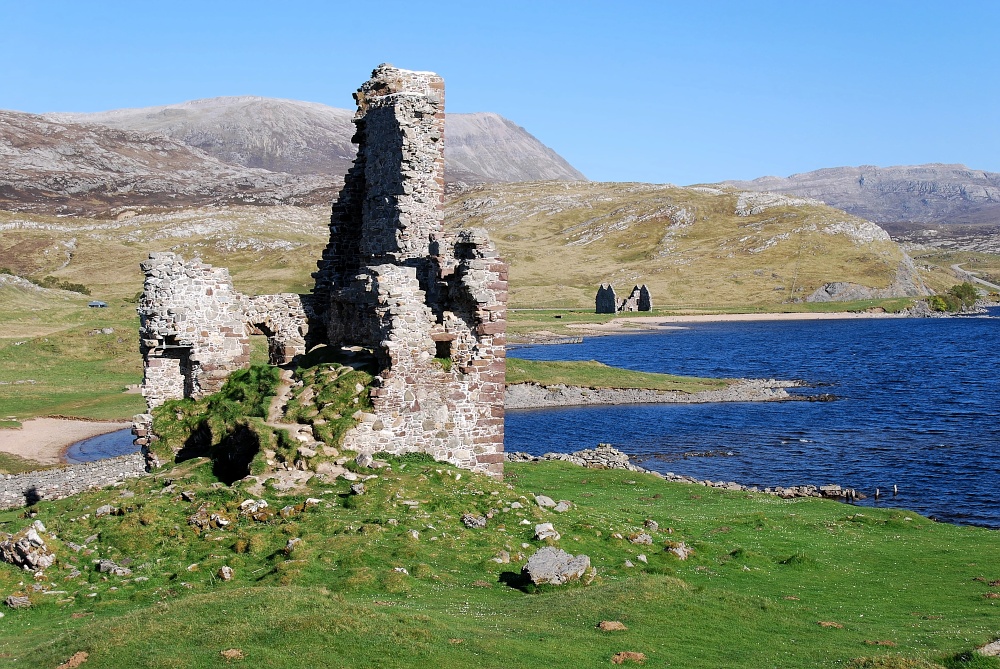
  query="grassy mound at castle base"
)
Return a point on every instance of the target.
[{"x": 771, "y": 582}]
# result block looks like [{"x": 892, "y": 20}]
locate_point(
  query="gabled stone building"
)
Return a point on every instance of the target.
[{"x": 607, "y": 302}]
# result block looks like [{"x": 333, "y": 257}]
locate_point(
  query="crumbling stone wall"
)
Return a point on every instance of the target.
[
  {"x": 195, "y": 329},
  {"x": 18, "y": 490},
  {"x": 638, "y": 299},
  {"x": 431, "y": 306}
]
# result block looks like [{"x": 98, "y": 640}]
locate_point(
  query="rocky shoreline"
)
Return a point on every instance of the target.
[
  {"x": 606, "y": 456},
  {"x": 534, "y": 396}
]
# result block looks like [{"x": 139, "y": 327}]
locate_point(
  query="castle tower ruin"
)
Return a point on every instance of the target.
[{"x": 431, "y": 306}]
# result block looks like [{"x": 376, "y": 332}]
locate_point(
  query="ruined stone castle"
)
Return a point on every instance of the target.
[
  {"x": 429, "y": 305},
  {"x": 606, "y": 302}
]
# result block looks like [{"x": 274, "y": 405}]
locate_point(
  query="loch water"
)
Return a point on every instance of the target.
[{"x": 918, "y": 407}]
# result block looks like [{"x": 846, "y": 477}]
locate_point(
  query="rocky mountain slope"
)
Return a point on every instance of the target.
[
  {"x": 51, "y": 166},
  {"x": 308, "y": 138},
  {"x": 924, "y": 194},
  {"x": 691, "y": 246}
]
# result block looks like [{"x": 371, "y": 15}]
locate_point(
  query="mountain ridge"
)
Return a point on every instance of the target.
[
  {"x": 299, "y": 137},
  {"x": 931, "y": 193}
]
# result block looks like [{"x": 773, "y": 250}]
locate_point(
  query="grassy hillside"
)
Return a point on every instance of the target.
[
  {"x": 392, "y": 578},
  {"x": 267, "y": 249},
  {"x": 687, "y": 244},
  {"x": 562, "y": 240}
]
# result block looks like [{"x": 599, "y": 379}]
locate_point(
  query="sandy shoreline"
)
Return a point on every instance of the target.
[
  {"x": 45, "y": 440},
  {"x": 636, "y": 323}
]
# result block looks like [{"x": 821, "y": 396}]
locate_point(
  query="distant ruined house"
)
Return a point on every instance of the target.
[
  {"x": 608, "y": 303},
  {"x": 390, "y": 281}
]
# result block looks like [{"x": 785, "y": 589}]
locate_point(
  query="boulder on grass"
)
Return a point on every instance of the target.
[{"x": 555, "y": 566}]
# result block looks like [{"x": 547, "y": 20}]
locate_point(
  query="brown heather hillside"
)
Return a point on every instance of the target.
[
  {"x": 693, "y": 246},
  {"x": 562, "y": 240}
]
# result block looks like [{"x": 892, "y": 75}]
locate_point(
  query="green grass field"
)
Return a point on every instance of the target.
[
  {"x": 592, "y": 374},
  {"x": 771, "y": 583}
]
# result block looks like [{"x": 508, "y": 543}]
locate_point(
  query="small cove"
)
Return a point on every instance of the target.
[{"x": 102, "y": 446}]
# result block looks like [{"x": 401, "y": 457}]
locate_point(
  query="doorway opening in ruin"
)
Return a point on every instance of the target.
[
  {"x": 264, "y": 348},
  {"x": 259, "y": 349},
  {"x": 185, "y": 366}
]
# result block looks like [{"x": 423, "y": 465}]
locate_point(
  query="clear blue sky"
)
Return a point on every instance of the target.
[{"x": 680, "y": 92}]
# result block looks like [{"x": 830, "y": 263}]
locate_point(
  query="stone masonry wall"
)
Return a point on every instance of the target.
[
  {"x": 23, "y": 489},
  {"x": 195, "y": 328},
  {"x": 431, "y": 306}
]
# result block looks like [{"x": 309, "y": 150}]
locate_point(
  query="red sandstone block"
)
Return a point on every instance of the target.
[
  {"x": 495, "y": 327},
  {"x": 491, "y": 458}
]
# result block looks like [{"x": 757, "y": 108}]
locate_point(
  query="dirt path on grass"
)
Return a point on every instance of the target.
[{"x": 45, "y": 440}]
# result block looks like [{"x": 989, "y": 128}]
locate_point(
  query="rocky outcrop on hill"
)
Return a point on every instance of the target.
[
  {"x": 934, "y": 193},
  {"x": 307, "y": 138},
  {"x": 71, "y": 168}
]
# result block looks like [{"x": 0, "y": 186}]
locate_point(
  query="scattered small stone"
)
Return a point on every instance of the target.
[
  {"x": 392, "y": 522},
  {"x": 111, "y": 567},
  {"x": 226, "y": 573},
  {"x": 992, "y": 595},
  {"x": 555, "y": 566},
  {"x": 473, "y": 521},
  {"x": 544, "y": 502},
  {"x": 617, "y": 535},
  {"x": 413, "y": 534},
  {"x": 640, "y": 538},
  {"x": 193, "y": 567},
  {"x": 105, "y": 510},
  {"x": 306, "y": 452},
  {"x": 516, "y": 505},
  {"x": 991, "y": 649},
  {"x": 401, "y": 570},
  {"x": 651, "y": 525},
  {"x": 880, "y": 642},
  {"x": 628, "y": 656},
  {"x": 126, "y": 494},
  {"x": 830, "y": 623},
  {"x": 364, "y": 460},
  {"x": 349, "y": 476},
  {"x": 502, "y": 557},
  {"x": 546, "y": 531},
  {"x": 292, "y": 543},
  {"x": 357, "y": 488},
  {"x": 629, "y": 564},
  {"x": 562, "y": 506},
  {"x": 642, "y": 558},
  {"x": 17, "y": 602},
  {"x": 680, "y": 549},
  {"x": 187, "y": 496},
  {"x": 611, "y": 626},
  {"x": 27, "y": 549}
]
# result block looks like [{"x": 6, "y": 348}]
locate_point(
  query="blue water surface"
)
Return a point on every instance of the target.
[
  {"x": 919, "y": 408},
  {"x": 102, "y": 446}
]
